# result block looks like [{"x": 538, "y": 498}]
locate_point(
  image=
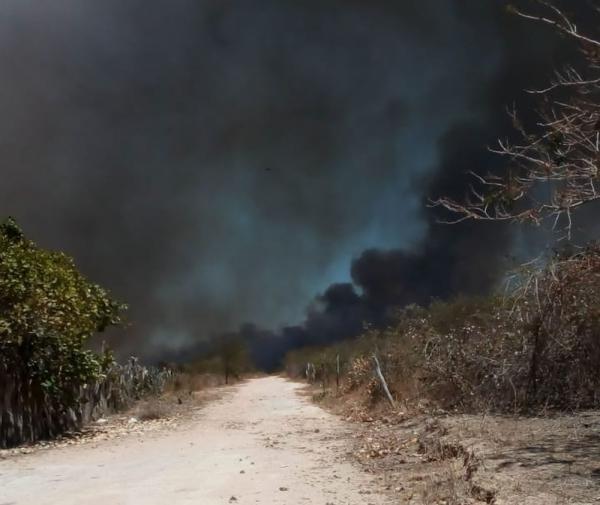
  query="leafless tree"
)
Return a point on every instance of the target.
[{"x": 553, "y": 169}]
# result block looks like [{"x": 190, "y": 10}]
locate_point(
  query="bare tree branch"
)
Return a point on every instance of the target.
[{"x": 562, "y": 154}]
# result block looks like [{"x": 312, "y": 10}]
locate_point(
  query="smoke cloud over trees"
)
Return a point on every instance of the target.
[{"x": 217, "y": 164}]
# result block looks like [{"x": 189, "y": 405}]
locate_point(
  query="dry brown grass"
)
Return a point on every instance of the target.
[
  {"x": 468, "y": 459},
  {"x": 185, "y": 382},
  {"x": 183, "y": 392},
  {"x": 151, "y": 410}
]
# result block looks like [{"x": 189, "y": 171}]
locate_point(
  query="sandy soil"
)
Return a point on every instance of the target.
[
  {"x": 500, "y": 460},
  {"x": 261, "y": 443}
]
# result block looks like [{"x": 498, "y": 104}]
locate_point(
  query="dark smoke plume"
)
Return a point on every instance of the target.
[{"x": 216, "y": 162}]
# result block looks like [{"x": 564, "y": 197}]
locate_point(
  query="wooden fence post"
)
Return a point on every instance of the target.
[
  {"x": 337, "y": 372},
  {"x": 382, "y": 380}
]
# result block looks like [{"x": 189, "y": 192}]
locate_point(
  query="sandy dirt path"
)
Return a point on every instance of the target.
[{"x": 261, "y": 443}]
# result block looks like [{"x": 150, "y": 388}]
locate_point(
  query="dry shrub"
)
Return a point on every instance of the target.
[
  {"x": 560, "y": 308},
  {"x": 473, "y": 354},
  {"x": 324, "y": 361},
  {"x": 189, "y": 382},
  {"x": 359, "y": 373},
  {"x": 151, "y": 411},
  {"x": 536, "y": 348}
]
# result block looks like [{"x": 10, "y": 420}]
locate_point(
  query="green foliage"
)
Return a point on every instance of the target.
[{"x": 48, "y": 311}]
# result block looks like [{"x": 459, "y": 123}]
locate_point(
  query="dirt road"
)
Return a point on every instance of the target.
[{"x": 261, "y": 443}]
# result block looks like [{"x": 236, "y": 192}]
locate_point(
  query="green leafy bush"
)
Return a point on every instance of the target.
[{"x": 48, "y": 311}]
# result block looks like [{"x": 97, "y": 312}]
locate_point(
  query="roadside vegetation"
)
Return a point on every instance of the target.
[
  {"x": 535, "y": 344},
  {"x": 51, "y": 382},
  {"x": 226, "y": 361},
  {"x": 533, "y": 349},
  {"x": 494, "y": 399}
]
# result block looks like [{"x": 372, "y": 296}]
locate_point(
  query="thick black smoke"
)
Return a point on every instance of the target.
[
  {"x": 216, "y": 162},
  {"x": 468, "y": 258}
]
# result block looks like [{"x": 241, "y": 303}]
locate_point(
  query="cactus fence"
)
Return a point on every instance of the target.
[{"x": 29, "y": 414}]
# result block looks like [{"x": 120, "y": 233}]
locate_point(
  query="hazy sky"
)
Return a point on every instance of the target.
[{"x": 215, "y": 162}]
